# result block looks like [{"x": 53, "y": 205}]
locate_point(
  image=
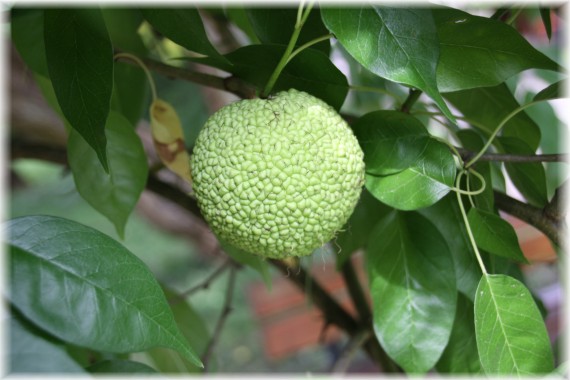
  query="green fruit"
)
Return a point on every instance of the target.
[{"x": 277, "y": 177}]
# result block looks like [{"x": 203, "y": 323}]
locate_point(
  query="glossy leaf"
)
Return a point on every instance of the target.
[
  {"x": 412, "y": 285},
  {"x": 528, "y": 177},
  {"x": 545, "y": 16},
  {"x": 495, "y": 235},
  {"x": 461, "y": 356},
  {"x": 488, "y": 106},
  {"x": 194, "y": 329},
  {"x": 446, "y": 216},
  {"x": 116, "y": 193},
  {"x": 473, "y": 141},
  {"x": 80, "y": 64},
  {"x": 428, "y": 180},
  {"x": 83, "y": 287},
  {"x": 121, "y": 366},
  {"x": 511, "y": 335},
  {"x": 168, "y": 138},
  {"x": 399, "y": 44},
  {"x": 356, "y": 233},
  {"x": 310, "y": 71},
  {"x": 392, "y": 141},
  {"x": 185, "y": 27},
  {"x": 27, "y": 33},
  {"x": 472, "y": 56},
  {"x": 554, "y": 91},
  {"x": 33, "y": 351},
  {"x": 275, "y": 25}
]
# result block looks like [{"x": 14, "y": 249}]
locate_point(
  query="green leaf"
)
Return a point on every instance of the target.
[
  {"x": 545, "y": 16},
  {"x": 83, "y": 287},
  {"x": 356, "y": 233},
  {"x": 238, "y": 15},
  {"x": 460, "y": 356},
  {"x": 412, "y": 285},
  {"x": 80, "y": 64},
  {"x": 185, "y": 27},
  {"x": 310, "y": 71},
  {"x": 123, "y": 25},
  {"x": 473, "y": 141},
  {"x": 495, "y": 235},
  {"x": 428, "y": 180},
  {"x": 276, "y": 24},
  {"x": 27, "y": 32},
  {"x": 398, "y": 44},
  {"x": 554, "y": 91},
  {"x": 528, "y": 177},
  {"x": 121, "y": 366},
  {"x": 194, "y": 330},
  {"x": 488, "y": 106},
  {"x": 511, "y": 335},
  {"x": 116, "y": 193},
  {"x": 446, "y": 216},
  {"x": 130, "y": 92},
  {"x": 392, "y": 141},
  {"x": 33, "y": 351},
  {"x": 471, "y": 55}
]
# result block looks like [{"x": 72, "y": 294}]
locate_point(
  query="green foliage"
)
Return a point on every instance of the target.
[{"x": 446, "y": 290}]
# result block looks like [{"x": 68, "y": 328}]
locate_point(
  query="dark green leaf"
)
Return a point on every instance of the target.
[
  {"x": 473, "y": 141},
  {"x": 123, "y": 25},
  {"x": 356, "y": 232},
  {"x": 554, "y": 91},
  {"x": 471, "y": 55},
  {"x": 130, "y": 92},
  {"x": 398, "y": 44},
  {"x": 460, "y": 356},
  {"x": 391, "y": 141},
  {"x": 116, "y": 193},
  {"x": 27, "y": 32},
  {"x": 194, "y": 330},
  {"x": 185, "y": 27},
  {"x": 310, "y": 71},
  {"x": 428, "y": 180},
  {"x": 275, "y": 25},
  {"x": 121, "y": 366},
  {"x": 83, "y": 287},
  {"x": 511, "y": 335},
  {"x": 33, "y": 351},
  {"x": 80, "y": 63},
  {"x": 495, "y": 235},
  {"x": 238, "y": 15},
  {"x": 545, "y": 15},
  {"x": 446, "y": 216},
  {"x": 528, "y": 177},
  {"x": 488, "y": 106},
  {"x": 412, "y": 285}
]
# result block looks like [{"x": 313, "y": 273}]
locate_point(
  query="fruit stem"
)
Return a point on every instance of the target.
[
  {"x": 308, "y": 44},
  {"x": 467, "y": 226},
  {"x": 301, "y": 18},
  {"x": 145, "y": 69}
]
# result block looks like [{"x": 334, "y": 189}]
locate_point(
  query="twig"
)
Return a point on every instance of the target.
[
  {"x": 468, "y": 155},
  {"x": 223, "y": 317},
  {"x": 230, "y": 84},
  {"x": 410, "y": 100},
  {"x": 556, "y": 209},
  {"x": 530, "y": 214},
  {"x": 356, "y": 293},
  {"x": 355, "y": 342},
  {"x": 204, "y": 284}
]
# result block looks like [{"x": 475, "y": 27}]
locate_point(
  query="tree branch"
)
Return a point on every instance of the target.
[
  {"x": 531, "y": 215},
  {"x": 223, "y": 317},
  {"x": 413, "y": 96},
  {"x": 467, "y": 155},
  {"x": 355, "y": 342},
  {"x": 356, "y": 293},
  {"x": 230, "y": 84}
]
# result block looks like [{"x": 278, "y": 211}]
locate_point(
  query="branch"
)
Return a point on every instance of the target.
[
  {"x": 230, "y": 84},
  {"x": 467, "y": 155},
  {"x": 355, "y": 342},
  {"x": 223, "y": 317},
  {"x": 356, "y": 293},
  {"x": 556, "y": 210},
  {"x": 530, "y": 214},
  {"x": 413, "y": 96}
]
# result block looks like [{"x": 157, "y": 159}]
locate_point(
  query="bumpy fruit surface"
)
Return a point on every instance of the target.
[{"x": 277, "y": 177}]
